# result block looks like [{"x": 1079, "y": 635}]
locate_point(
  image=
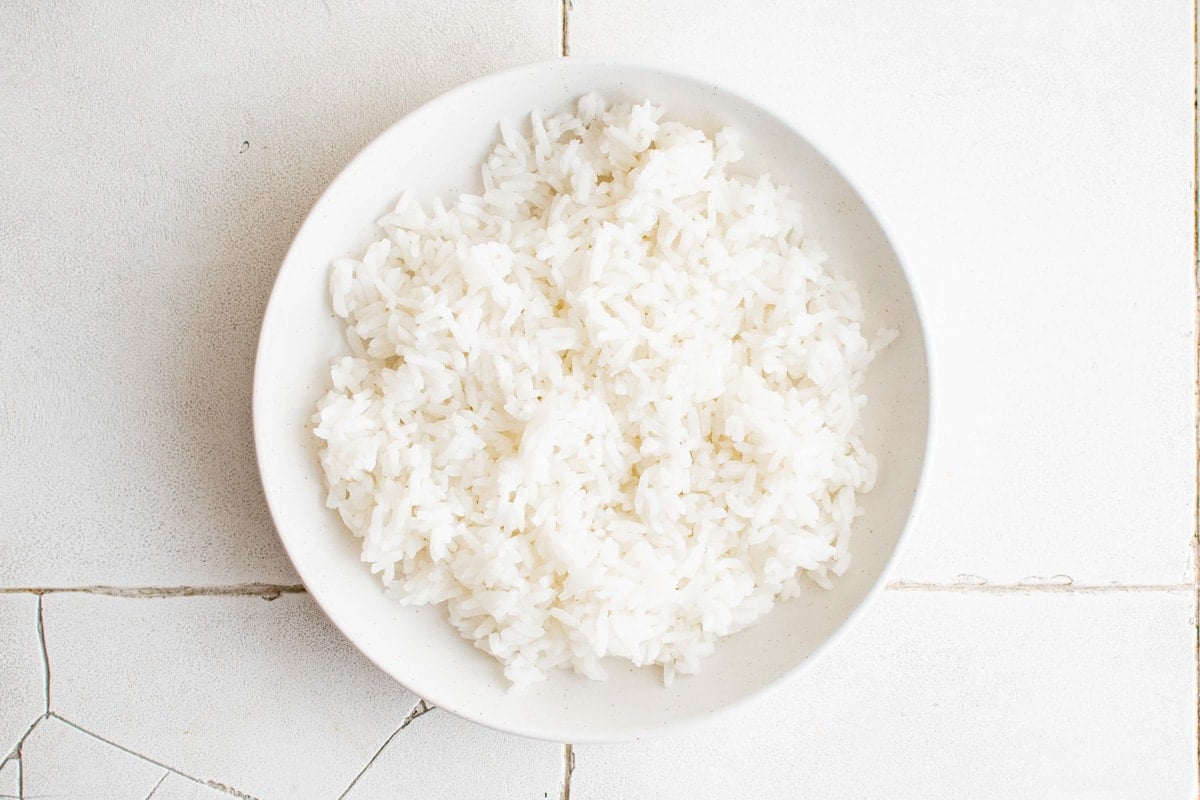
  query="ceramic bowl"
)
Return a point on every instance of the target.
[{"x": 436, "y": 151}]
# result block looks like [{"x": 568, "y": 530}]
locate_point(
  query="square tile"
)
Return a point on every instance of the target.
[
  {"x": 952, "y": 695},
  {"x": 262, "y": 696},
  {"x": 158, "y": 162},
  {"x": 1035, "y": 162}
]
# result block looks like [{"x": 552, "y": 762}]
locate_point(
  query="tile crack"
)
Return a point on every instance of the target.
[
  {"x": 210, "y": 783},
  {"x": 154, "y": 788},
  {"x": 420, "y": 709},
  {"x": 41, "y": 630},
  {"x": 17, "y": 756}
]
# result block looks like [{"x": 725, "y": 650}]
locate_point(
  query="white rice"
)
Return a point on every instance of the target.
[{"x": 609, "y": 408}]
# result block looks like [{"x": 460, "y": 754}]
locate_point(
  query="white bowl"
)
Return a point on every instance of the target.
[{"x": 436, "y": 151}]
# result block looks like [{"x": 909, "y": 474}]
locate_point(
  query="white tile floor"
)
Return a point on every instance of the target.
[
  {"x": 10, "y": 778},
  {"x": 22, "y": 675},
  {"x": 60, "y": 760},
  {"x": 1037, "y": 162},
  {"x": 443, "y": 758},
  {"x": 176, "y": 787},
  {"x": 210, "y": 685}
]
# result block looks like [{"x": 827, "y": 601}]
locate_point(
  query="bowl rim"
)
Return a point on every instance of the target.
[{"x": 563, "y": 733}]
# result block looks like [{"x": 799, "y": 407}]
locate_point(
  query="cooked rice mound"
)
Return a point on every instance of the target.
[{"x": 607, "y": 408}]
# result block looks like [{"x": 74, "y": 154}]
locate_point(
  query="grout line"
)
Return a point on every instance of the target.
[
  {"x": 273, "y": 591},
  {"x": 1196, "y": 345},
  {"x": 220, "y": 787},
  {"x": 1196, "y": 269},
  {"x": 564, "y": 46},
  {"x": 1038, "y": 588},
  {"x": 16, "y": 762},
  {"x": 16, "y": 751},
  {"x": 16, "y": 755},
  {"x": 420, "y": 708},
  {"x": 210, "y": 784},
  {"x": 568, "y": 771},
  {"x": 363, "y": 771},
  {"x": 267, "y": 591},
  {"x": 41, "y": 629}
]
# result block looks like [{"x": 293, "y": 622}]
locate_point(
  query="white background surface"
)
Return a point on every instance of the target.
[{"x": 1037, "y": 163}]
